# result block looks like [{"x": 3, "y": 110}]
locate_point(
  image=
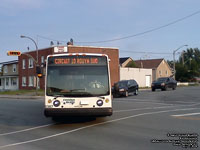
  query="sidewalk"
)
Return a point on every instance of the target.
[{"x": 145, "y": 89}]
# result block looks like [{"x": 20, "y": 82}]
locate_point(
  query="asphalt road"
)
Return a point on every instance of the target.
[{"x": 150, "y": 121}]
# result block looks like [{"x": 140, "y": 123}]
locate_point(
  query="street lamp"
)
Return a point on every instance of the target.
[
  {"x": 36, "y": 61},
  {"x": 174, "y": 52}
]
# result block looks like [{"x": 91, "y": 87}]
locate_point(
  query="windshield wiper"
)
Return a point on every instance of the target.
[
  {"x": 76, "y": 90},
  {"x": 56, "y": 96}
]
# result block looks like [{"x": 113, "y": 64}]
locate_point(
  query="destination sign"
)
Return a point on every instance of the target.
[{"x": 77, "y": 60}]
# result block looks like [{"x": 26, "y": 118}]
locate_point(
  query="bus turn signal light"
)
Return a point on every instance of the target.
[{"x": 39, "y": 75}]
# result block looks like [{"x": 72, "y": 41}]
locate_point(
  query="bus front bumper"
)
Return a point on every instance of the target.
[{"x": 96, "y": 112}]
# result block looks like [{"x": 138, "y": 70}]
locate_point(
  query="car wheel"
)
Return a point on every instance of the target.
[
  {"x": 165, "y": 88},
  {"x": 174, "y": 88},
  {"x": 136, "y": 92},
  {"x": 126, "y": 93},
  {"x": 153, "y": 90}
]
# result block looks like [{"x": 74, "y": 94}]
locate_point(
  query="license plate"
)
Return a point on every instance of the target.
[{"x": 84, "y": 102}]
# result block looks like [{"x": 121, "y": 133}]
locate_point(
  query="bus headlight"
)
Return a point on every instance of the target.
[
  {"x": 56, "y": 103},
  {"x": 99, "y": 102}
]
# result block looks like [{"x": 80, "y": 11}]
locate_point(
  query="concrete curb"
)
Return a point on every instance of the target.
[
  {"x": 21, "y": 97},
  {"x": 145, "y": 89}
]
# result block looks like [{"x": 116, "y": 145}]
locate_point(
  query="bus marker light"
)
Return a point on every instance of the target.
[
  {"x": 107, "y": 100},
  {"x": 49, "y": 101}
]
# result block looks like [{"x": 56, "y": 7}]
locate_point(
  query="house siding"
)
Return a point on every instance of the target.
[
  {"x": 9, "y": 79},
  {"x": 162, "y": 69},
  {"x": 138, "y": 74}
]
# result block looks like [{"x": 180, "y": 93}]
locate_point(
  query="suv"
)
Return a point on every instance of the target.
[
  {"x": 164, "y": 83},
  {"x": 125, "y": 87}
]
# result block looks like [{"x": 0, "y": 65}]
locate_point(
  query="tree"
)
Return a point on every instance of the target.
[
  {"x": 188, "y": 66},
  {"x": 181, "y": 73},
  {"x": 131, "y": 64}
]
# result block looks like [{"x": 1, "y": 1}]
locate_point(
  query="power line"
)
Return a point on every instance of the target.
[
  {"x": 143, "y": 52},
  {"x": 51, "y": 39},
  {"x": 148, "y": 31},
  {"x": 130, "y": 36}
]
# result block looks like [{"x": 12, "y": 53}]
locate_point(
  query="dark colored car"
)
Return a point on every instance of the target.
[
  {"x": 124, "y": 88},
  {"x": 164, "y": 83}
]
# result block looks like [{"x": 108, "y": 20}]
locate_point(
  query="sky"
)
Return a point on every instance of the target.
[{"x": 101, "y": 20}]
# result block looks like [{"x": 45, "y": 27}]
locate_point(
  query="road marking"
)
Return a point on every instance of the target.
[
  {"x": 128, "y": 101},
  {"x": 142, "y": 102},
  {"x": 190, "y": 114},
  {"x": 126, "y": 110},
  {"x": 184, "y": 102},
  {"x": 149, "y": 100},
  {"x": 188, "y": 118},
  {"x": 93, "y": 125},
  {"x": 42, "y": 126},
  {"x": 24, "y": 130},
  {"x": 136, "y": 99}
]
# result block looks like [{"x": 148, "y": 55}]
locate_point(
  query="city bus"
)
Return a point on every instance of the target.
[{"x": 77, "y": 85}]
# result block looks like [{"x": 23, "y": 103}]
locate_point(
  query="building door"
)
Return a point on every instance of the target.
[{"x": 148, "y": 80}]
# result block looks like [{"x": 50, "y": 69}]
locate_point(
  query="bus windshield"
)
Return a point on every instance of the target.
[{"x": 77, "y": 81}]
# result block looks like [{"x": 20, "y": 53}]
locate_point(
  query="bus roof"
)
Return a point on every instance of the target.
[{"x": 78, "y": 54}]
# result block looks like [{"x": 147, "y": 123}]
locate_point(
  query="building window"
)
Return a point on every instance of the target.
[
  {"x": 166, "y": 72},
  {"x": 30, "y": 63},
  {"x": 31, "y": 80},
  {"x": 23, "y": 81},
  {"x": 5, "y": 69},
  {"x": 13, "y": 81},
  {"x": 14, "y": 67},
  {"x": 42, "y": 59},
  {"x": 7, "y": 81},
  {"x": 23, "y": 64},
  {"x": 160, "y": 72}
]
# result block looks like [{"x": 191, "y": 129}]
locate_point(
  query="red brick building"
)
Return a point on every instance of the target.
[{"x": 27, "y": 65}]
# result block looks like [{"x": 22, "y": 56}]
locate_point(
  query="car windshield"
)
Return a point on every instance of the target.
[
  {"x": 162, "y": 79},
  {"x": 77, "y": 81}
]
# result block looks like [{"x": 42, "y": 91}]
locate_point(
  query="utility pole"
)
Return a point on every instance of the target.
[
  {"x": 182, "y": 54},
  {"x": 174, "y": 67},
  {"x": 36, "y": 61}
]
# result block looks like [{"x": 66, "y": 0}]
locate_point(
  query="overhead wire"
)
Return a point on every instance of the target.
[
  {"x": 143, "y": 52},
  {"x": 130, "y": 36},
  {"x": 147, "y": 31}
]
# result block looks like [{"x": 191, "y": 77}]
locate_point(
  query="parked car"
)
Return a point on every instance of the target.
[
  {"x": 164, "y": 83},
  {"x": 124, "y": 88}
]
